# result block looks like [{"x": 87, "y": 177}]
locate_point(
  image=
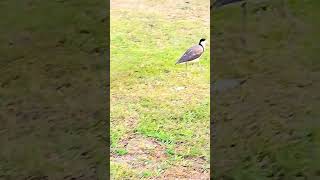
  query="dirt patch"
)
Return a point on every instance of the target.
[
  {"x": 181, "y": 172},
  {"x": 143, "y": 153},
  {"x": 172, "y": 9},
  {"x": 147, "y": 154}
]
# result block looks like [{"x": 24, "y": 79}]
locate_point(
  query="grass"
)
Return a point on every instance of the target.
[
  {"x": 146, "y": 41},
  {"x": 121, "y": 152}
]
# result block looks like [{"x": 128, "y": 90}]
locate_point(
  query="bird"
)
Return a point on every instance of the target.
[{"x": 193, "y": 54}]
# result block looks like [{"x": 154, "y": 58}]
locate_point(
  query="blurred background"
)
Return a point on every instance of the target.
[{"x": 265, "y": 91}]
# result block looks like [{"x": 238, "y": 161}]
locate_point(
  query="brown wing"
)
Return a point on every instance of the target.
[{"x": 191, "y": 54}]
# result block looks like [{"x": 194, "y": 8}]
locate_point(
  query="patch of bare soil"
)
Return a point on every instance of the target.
[
  {"x": 173, "y": 9},
  {"x": 147, "y": 154},
  {"x": 185, "y": 173},
  {"x": 143, "y": 153}
]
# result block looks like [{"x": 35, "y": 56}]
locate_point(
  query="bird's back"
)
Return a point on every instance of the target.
[{"x": 191, "y": 54}]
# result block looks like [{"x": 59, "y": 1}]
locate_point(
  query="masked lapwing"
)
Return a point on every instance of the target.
[{"x": 193, "y": 54}]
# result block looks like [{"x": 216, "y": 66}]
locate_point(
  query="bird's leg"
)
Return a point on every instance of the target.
[
  {"x": 199, "y": 65},
  {"x": 186, "y": 69}
]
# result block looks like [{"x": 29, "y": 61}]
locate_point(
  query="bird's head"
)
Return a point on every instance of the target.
[{"x": 202, "y": 42}]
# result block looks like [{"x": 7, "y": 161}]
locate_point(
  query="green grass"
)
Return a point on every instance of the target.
[
  {"x": 145, "y": 44},
  {"x": 119, "y": 171},
  {"x": 121, "y": 152}
]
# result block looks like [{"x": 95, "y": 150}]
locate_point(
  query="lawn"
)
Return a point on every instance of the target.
[{"x": 159, "y": 111}]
